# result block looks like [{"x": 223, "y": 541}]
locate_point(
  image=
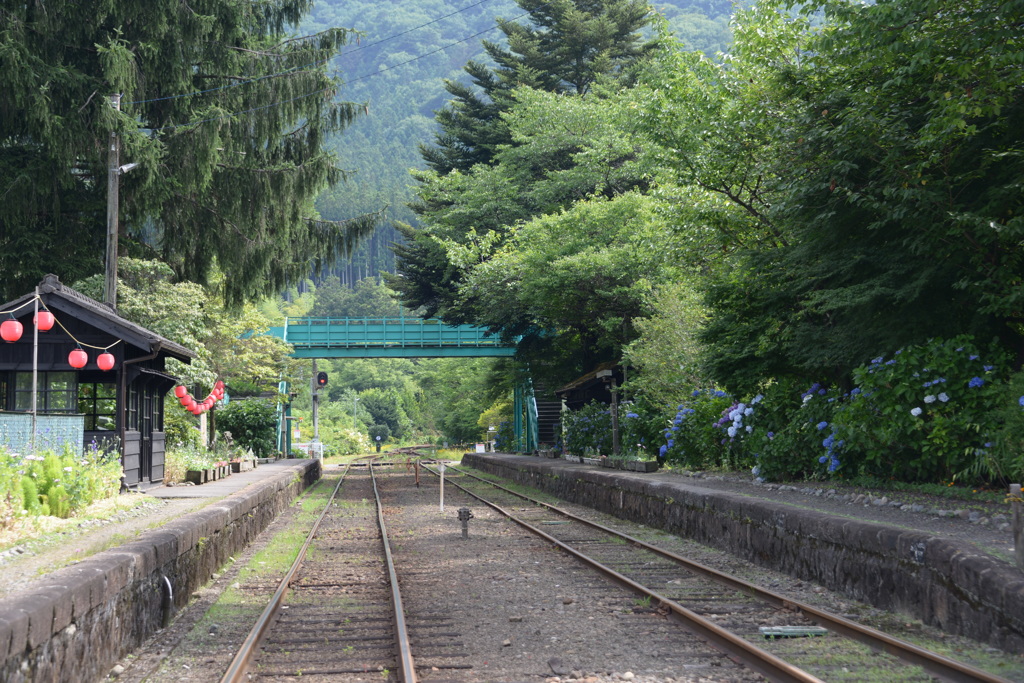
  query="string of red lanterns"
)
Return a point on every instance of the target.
[
  {"x": 11, "y": 331},
  {"x": 199, "y": 407}
]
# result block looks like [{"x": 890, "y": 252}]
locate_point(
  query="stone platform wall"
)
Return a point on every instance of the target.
[
  {"x": 76, "y": 623},
  {"x": 944, "y": 583}
]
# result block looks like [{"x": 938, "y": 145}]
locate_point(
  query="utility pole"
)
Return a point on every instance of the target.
[
  {"x": 114, "y": 172},
  {"x": 113, "y": 175}
]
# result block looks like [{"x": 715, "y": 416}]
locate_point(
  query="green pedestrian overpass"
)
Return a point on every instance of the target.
[
  {"x": 402, "y": 338},
  {"x": 388, "y": 338}
]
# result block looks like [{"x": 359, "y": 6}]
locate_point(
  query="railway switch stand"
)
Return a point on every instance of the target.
[{"x": 464, "y": 516}]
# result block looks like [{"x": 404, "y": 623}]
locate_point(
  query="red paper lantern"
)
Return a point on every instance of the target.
[
  {"x": 10, "y": 330},
  {"x": 105, "y": 361},
  {"x": 180, "y": 390},
  {"x": 184, "y": 401},
  {"x": 78, "y": 358},
  {"x": 43, "y": 321}
]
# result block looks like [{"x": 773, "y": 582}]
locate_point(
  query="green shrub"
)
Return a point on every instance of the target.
[
  {"x": 640, "y": 426},
  {"x": 30, "y": 494},
  {"x": 505, "y": 437},
  {"x": 252, "y": 423},
  {"x": 796, "y": 425},
  {"x": 693, "y": 437}
]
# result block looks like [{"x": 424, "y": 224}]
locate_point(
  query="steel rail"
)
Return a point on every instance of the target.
[
  {"x": 239, "y": 668},
  {"x": 764, "y": 663},
  {"x": 405, "y": 661},
  {"x": 934, "y": 663}
]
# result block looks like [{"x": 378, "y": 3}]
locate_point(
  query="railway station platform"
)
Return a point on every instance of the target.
[
  {"x": 225, "y": 486},
  {"x": 75, "y": 623},
  {"x": 943, "y": 570}
]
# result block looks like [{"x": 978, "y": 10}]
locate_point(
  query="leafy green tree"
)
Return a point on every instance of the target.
[
  {"x": 385, "y": 407},
  {"x": 225, "y": 113},
  {"x": 893, "y": 190},
  {"x": 559, "y": 242},
  {"x": 666, "y": 354},
  {"x": 229, "y": 344}
]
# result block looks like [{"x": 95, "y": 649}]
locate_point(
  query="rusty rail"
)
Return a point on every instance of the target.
[
  {"x": 238, "y": 669},
  {"x": 934, "y": 663}
]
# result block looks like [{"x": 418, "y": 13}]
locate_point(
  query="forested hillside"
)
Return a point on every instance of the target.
[{"x": 398, "y": 69}]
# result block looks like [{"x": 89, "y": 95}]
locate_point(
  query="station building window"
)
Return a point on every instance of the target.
[
  {"x": 55, "y": 392},
  {"x": 98, "y": 402}
]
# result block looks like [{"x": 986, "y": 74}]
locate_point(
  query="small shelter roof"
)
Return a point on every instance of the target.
[
  {"x": 588, "y": 380},
  {"x": 57, "y": 296}
]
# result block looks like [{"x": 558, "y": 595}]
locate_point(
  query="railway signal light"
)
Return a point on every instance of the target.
[{"x": 321, "y": 379}]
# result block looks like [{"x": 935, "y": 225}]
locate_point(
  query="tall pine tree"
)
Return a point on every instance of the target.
[
  {"x": 224, "y": 111},
  {"x": 566, "y": 48}
]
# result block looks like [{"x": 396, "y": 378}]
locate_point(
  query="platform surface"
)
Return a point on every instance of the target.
[{"x": 226, "y": 486}]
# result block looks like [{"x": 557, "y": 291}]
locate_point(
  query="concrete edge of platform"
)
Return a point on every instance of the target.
[
  {"x": 76, "y": 623},
  {"x": 942, "y": 582}
]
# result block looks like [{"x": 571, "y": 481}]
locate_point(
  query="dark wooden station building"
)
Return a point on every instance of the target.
[{"x": 87, "y": 407}]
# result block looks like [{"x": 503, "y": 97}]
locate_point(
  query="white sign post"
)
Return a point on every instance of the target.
[{"x": 441, "y": 469}]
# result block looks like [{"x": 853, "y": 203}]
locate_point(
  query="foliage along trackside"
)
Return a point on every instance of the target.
[
  {"x": 46, "y": 483},
  {"x": 934, "y": 412}
]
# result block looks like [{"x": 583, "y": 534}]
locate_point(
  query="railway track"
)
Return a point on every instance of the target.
[
  {"x": 748, "y": 623},
  {"x": 338, "y": 613}
]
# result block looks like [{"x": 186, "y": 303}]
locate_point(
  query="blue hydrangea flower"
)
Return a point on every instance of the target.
[
  {"x": 822, "y": 425},
  {"x": 943, "y": 397},
  {"x": 1021, "y": 401},
  {"x": 930, "y": 398},
  {"x": 915, "y": 412},
  {"x": 975, "y": 382}
]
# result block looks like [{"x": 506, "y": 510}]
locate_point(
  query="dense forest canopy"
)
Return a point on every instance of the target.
[
  {"x": 406, "y": 55},
  {"x": 223, "y": 108},
  {"x": 843, "y": 185}
]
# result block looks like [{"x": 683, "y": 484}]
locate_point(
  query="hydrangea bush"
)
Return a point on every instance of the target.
[
  {"x": 694, "y": 435},
  {"x": 926, "y": 414},
  {"x": 938, "y": 412},
  {"x": 588, "y": 431}
]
